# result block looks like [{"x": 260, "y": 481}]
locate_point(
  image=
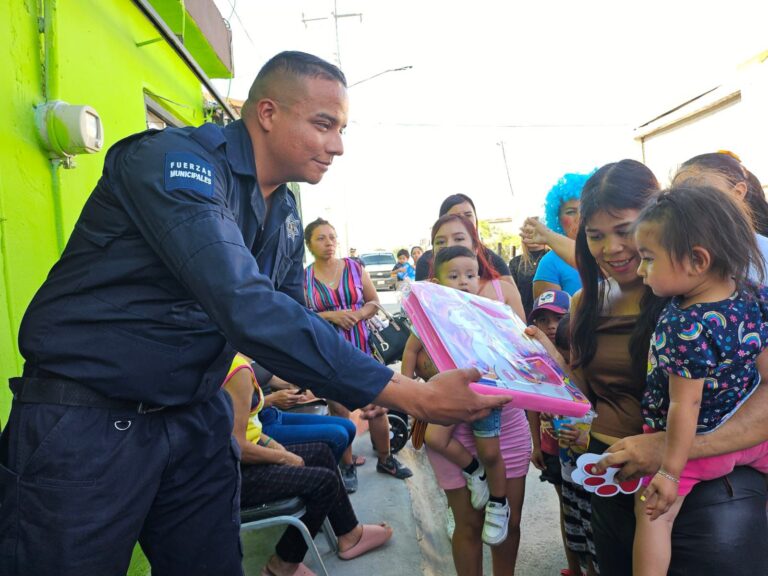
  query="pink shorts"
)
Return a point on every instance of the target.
[
  {"x": 702, "y": 469},
  {"x": 515, "y": 443}
]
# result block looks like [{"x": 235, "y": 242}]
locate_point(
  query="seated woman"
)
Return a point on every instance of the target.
[
  {"x": 271, "y": 472},
  {"x": 297, "y": 428}
]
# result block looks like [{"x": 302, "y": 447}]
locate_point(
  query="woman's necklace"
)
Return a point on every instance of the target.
[{"x": 335, "y": 278}]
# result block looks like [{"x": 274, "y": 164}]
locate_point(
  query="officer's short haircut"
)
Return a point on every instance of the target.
[{"x": 295, "y": 63}]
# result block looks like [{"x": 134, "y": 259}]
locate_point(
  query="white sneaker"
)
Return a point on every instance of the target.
[
  {"x": 496, "y": 523},
  {"x": 478, "y": 487}
]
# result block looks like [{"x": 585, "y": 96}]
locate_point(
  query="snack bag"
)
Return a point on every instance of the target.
[{"x": 569, "y": 453}]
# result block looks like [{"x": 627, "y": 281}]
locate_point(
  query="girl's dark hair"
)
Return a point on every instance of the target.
[
  {"x": 447, "y": 254},
  {"x": 734, "y": 173},
  {"x": 623, "y": 185},
  {"x": 455, "y": 200},
  {"x": 691, "y": 216},
  {"x": 487, "y": 272},
  {"x": 311, "y": 228}
]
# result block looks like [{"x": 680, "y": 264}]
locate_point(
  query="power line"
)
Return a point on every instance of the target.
[
  {"x": 335, "y": 16},
  {"x": 379, "y": 74},
  {"x": 232, "y": 5},
  {"x": 510, "y": 126},
  {"x": 506, "y": 167}
]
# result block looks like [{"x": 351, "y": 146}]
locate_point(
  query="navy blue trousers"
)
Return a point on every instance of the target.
[{"x": 80, "y": 486}]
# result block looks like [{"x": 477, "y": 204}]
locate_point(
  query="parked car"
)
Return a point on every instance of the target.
[{"x": 379, "y": 265}]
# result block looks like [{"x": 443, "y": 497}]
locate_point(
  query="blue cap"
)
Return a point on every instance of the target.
[{"x": 557, "y": 301}]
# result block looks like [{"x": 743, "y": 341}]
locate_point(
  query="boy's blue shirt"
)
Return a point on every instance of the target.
[{"x": 410, "y": 271}]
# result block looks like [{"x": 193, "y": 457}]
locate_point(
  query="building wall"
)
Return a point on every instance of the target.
[
  {"x": 733, "y": 116},
  {"x": 106, "y": 54},
  {"x": 91, "y": 53}
]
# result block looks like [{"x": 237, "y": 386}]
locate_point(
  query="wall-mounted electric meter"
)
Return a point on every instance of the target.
[{"x": 67, "y": 130}]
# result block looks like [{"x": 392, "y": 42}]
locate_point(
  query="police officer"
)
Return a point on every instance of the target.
[{"x": 189, "y": 247}]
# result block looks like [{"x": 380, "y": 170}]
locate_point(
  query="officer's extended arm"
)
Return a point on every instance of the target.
[{"x": 195, "y": 234}]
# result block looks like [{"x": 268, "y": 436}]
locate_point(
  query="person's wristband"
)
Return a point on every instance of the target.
[
  {"x": 266, "y": 443},
  {"x": 664, "y": 474}
]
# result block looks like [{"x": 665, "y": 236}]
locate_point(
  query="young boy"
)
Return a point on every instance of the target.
[
  {"x": 403, "y": 269},
  {"x": 548, "y": 309}
]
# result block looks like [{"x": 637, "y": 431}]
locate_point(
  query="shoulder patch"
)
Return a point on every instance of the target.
[
  {"x": 292, "y": 227},
  {"x": 186, "y": 171}
]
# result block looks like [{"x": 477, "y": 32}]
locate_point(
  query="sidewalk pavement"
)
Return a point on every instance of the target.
[{"x": 416, "y": 509}]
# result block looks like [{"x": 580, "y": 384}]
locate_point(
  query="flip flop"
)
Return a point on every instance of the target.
[
  {"x": 358, "y": 460},
  {"x": 373, "y": 536},
  {"x": 301, "y": 570}
]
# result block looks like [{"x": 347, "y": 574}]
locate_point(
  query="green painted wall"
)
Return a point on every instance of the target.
[{"x": 90, "y": 49}]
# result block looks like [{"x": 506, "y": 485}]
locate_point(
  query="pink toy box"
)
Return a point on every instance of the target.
[{"x": 460, "y": 330}]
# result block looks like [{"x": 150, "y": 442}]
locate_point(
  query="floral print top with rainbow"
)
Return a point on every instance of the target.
[{"x": 715, "y": 341}]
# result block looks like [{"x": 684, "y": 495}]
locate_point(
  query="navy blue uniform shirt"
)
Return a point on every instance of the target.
[{"x": 174, "y": 257}]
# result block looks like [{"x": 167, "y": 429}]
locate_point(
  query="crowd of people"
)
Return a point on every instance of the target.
[
  {"x": 652, "y": 301},
  {"x": 170, "y": 346}
]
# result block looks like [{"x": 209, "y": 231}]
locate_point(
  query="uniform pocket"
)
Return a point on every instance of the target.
[{"x": 56, "y": 441}]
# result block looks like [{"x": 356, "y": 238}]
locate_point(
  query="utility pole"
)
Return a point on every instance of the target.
[{"x": 335, "y": 16}]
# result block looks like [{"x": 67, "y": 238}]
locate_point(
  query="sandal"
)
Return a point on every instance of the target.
[
  {"x": 358, "y": 460},
  {"x": 372, "y": 537},
  {"x": 301, "y": 570}
]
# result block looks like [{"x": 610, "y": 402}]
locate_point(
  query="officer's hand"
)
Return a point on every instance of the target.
[
  {"x": 638, "y": 456},
  {"x": 444, "y": 399}
]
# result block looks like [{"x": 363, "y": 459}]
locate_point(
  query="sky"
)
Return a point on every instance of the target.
[{"x": 501, "y": 100}]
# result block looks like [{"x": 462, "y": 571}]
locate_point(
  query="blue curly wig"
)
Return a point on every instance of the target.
[{"x": 568, "y": 188}]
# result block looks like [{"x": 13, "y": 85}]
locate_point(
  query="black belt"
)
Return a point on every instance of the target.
[{"x": 71, "y": 393}]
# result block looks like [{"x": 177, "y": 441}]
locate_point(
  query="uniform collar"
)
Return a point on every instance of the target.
[{"x": 239, "y": 149}]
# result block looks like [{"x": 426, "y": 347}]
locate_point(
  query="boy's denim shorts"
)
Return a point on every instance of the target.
[{"x": 488, "y": 427}]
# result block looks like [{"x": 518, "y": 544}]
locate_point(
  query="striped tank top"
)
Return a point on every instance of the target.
[{"x": 348, "y": 296}]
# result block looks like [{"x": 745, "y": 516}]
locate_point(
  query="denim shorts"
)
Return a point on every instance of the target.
[{"x": 488, "y": 427}]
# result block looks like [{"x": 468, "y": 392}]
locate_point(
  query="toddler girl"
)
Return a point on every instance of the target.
[{"x": 696, "y": 247}]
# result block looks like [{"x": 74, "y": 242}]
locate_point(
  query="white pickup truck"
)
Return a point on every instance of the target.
[{"x": 379, "y": 266}]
